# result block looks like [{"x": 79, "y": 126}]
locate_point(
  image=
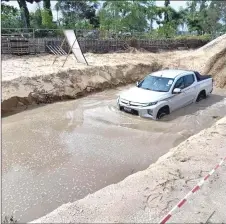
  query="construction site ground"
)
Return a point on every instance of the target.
[{"x": 63, "y": 152}]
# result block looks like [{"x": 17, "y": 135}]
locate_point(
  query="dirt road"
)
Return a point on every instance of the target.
[{"x": 62, "y": 152}]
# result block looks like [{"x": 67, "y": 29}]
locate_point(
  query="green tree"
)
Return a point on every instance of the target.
[
  {"x": 36, "y": 18},
  {"x": 166, "y": 14},
  {"x": 221, "y": 6},
  {"x": 75, "y": 11},
  {"x": 10, "y": 16},
  {"x": 211, "y": 22},
  {"x": 25, "y": 15},
  {"x": 194, "y": 14},
  {"x": 204, "y": 16},
  {"x": 111, "y": 14},
  {"x": 24, "y": 12},
  {"x": 42, "y": 18},
  {"x": 168, "y": 20},
  {"x": 127, "y": 15},
  {"x": 46, "y": 19},
  {"x": 47, "y": 8}
]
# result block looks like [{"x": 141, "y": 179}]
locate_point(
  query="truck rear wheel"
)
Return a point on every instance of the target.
[{"x": 201, "y": 96}]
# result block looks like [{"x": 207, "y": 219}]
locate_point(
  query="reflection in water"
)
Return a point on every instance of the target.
[{"x": 64, "y": 151}]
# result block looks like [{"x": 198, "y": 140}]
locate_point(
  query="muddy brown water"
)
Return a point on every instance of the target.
[{"x": 62, "y": 152}]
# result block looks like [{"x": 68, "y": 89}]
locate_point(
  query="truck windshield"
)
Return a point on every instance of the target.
[{"x": 158, "y": 84}]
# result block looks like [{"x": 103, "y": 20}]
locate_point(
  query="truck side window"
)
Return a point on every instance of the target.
[
  {"x": 180, "y": 83},
  {"x": 188, "y": 80}
]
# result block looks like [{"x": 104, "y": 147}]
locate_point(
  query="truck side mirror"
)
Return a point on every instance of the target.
[{"x": 177, "y": 91}]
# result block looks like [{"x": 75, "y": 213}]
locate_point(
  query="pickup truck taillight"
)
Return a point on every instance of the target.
[{"x": 212, "y": 86}]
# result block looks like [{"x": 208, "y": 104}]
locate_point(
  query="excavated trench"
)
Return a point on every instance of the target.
[{"x": 22, "y": 92}]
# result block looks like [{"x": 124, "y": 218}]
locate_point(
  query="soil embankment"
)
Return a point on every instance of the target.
[
  {"x": 148, "y": 195},
  {"x": 71, "y": 84}
]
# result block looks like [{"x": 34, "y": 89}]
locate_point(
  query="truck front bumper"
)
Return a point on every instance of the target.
[{"x": 146, "y": 112}]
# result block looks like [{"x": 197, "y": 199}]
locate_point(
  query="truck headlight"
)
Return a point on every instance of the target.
[
  {"x": 151, "y": 104},
  {"x": 118, "y": 99}
]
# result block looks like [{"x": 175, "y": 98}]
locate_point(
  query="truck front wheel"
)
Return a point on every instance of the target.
[{"x": 162, "y": 112}]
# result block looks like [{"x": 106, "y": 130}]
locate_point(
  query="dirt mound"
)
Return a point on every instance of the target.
[
  {"x": 215, "y": 52},
  {"x": 209, "y": 59},
  {"x": 216, "y": 43},
  {"x": 217, "y": 68}
]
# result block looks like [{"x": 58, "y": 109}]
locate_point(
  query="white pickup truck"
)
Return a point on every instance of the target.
[{"x": 164, "y": 91}]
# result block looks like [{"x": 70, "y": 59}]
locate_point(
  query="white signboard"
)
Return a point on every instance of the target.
[{"x": 74, "y": 45}]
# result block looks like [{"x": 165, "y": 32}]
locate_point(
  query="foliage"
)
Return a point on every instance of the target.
[
  {"x": 172, "y": 20},
  {"x": 36, "y": 18},
  {"x": 126, "y": 15},
  {"x": 10, "y": 16},
  {"x": 205, "y": 18},
  {"x": 78, "y": 12},
  {"x": 122, "y": 18},
  {"x": 46, "y": 18},
  {"x": 25, "y": 15},
  {"x": 167, "y": 30}
]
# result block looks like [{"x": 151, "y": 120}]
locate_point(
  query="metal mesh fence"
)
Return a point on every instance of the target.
[
  {"x": 94, "y": 34},
  {"x": 21, "y": 40}
]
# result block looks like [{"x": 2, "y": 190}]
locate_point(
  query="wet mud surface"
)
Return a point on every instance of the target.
[{"x": 61, "y": 152}]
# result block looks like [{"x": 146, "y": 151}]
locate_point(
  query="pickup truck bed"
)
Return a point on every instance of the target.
[{"x": 201, "y": 77}]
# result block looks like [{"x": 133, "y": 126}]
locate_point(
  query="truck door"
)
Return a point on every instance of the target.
[
  {"x": 178, "y": 100},
  {"x": 189, "y": 88}
]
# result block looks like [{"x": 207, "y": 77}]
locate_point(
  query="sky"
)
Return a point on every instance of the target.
[{"x": 32, "y": 7}]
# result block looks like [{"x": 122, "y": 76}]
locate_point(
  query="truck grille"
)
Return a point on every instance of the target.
[{"x": 132, "y": 104}]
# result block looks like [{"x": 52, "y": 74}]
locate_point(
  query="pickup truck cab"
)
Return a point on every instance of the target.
[{"x": 162, "y": 92}]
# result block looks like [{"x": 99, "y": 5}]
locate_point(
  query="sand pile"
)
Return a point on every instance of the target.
[
  {"x": 217, "y": 68},
  {"x": 214, "y": 44},
  {"x": 209, "y": 59}
]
